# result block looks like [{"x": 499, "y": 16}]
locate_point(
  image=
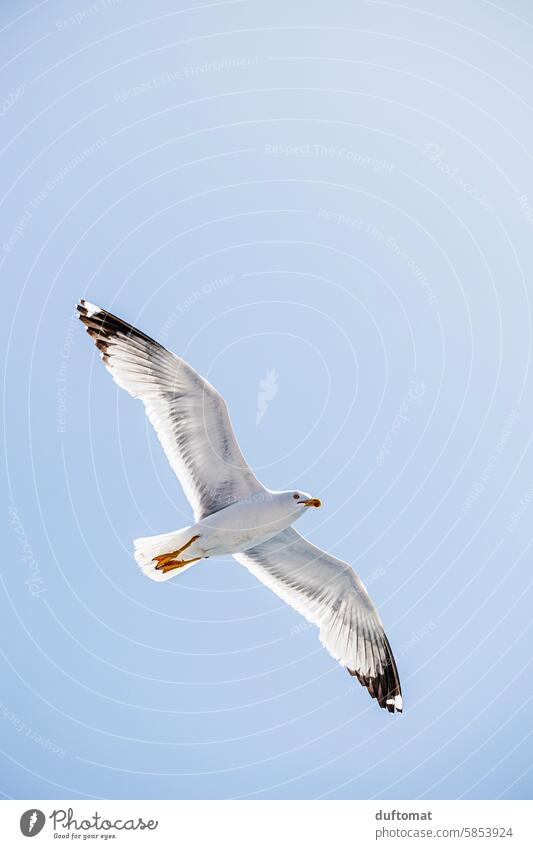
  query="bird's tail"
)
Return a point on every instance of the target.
[{"x": 147, "y": 549}]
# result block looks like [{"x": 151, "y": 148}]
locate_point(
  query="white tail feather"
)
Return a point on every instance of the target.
[{"x": 146, "y": 548}]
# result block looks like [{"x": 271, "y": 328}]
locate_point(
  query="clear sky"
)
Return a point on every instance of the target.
[{"x": 327, "y": 210}]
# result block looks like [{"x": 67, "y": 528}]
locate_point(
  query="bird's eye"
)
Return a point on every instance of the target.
[{"x": 295, "y": 495}]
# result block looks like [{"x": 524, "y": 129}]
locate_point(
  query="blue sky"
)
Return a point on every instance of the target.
[{"x": 337, "y": 201}]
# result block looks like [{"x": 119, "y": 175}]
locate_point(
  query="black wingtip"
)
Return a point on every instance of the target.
[
  {"x": 388, "y": 697},
  {"x": 384, "y": 687},
  {"x": 88, "y": 311},
  {"x": 103, "y": 325}
]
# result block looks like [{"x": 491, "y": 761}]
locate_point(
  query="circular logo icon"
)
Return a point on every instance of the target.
[{"x": 32, "y": 822}]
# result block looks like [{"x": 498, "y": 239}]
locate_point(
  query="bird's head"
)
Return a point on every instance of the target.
[{"x": 299, "y": 500}]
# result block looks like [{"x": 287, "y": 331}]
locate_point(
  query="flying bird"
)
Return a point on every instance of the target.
[{"x": 234, "y": 513}]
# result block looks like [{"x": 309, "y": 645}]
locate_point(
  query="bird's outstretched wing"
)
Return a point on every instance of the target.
[
  {"x": 328, "y": 593},
  {"x": 189, "y": 415}
]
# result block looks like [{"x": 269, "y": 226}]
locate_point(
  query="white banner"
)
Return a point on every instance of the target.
[{"x": 258, "y": 824}]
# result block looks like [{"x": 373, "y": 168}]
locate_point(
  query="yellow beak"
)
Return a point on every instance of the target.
[{"x": 313, "y": 502}]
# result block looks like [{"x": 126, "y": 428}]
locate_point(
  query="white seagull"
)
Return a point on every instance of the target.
[{"x": 234, "y": 513}]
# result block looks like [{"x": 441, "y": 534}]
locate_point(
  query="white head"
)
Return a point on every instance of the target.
[{"x": 297, "y": 501}]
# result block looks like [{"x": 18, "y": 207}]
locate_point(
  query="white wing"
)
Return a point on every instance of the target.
[
  {"x": 190, "y": 417},
  {"x": 328, "y": 593}
]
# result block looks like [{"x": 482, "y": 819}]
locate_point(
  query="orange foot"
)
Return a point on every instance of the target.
[
  {"x": 163, "y": 559},
  {"x": 169, "y": 565}
]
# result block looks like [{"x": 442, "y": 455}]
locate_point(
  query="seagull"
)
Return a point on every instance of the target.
[{"x": 234, "y": 514}]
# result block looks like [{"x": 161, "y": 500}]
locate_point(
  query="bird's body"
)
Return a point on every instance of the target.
[
  {"x": 234, "y": 513},
  {"x": 243, "y": 525}
]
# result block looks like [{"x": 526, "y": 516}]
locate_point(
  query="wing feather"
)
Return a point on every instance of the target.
[
  {"x": 189, "y": 416},
  {"x": 329, "y": 594}
]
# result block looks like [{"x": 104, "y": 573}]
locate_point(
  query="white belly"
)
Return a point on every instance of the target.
[{"x": 237, "y": 527}]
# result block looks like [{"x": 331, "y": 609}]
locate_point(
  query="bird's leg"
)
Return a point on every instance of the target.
[
  {"x": 163, "y": 559},
  {"x": 175, "y": 564}
]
